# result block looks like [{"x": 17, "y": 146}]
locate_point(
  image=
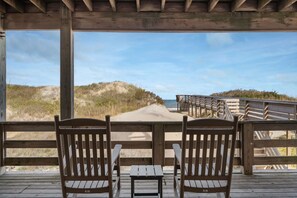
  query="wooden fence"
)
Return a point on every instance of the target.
[{"x": 158, "y": 145}]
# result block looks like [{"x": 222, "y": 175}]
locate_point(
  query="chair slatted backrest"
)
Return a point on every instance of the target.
[
  {"x": 84, "y": 149},
  {"x": 208, "y": 149}
]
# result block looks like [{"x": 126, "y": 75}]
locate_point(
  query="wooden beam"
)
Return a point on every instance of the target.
[
  {"x": 89, "y": 4},
  {"x": 212, "y": 4},
  {"x": 18, "y": 5},
  {"x": 263, "y": 3},
  {"x": 69, "y": 4},
  {"x": 40, "y": 4},
  {"x": 113, "y": 5},
  {"x": 285, "y": 4},
  {"x": 67, "y": 64},
  {"x": 2, "y": 73},
  {"x": 163, "y": 5},
  {"x": 2, "y": 93},
  {"x": 236, "y": 5},
  {"x": 2, "y": 8},
  {"x": 188, "y": 5},
  {"x": 138, "y": 5},
  {"x": 162, "y": 22}
]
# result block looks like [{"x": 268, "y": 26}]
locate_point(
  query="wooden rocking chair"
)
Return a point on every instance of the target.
[
  {"x": 206, "y": 157},
  {"x": 85, "y": 159}
]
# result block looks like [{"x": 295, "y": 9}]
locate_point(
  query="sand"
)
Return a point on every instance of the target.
[
  {"x": 149, "y": 113},
  {"x": 153, "y": 112}
]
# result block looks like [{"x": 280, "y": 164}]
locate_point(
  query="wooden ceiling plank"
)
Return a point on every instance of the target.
[
  {"x": 18, "y": 5},
  {"x": 212, "y": 4},
  {"x": 89, "y": 4},
  {"x": 40, "y": 4},
  {"x": 285, "y": 4},
  {"x": 163, "y": 5},
  {"x": 2, "y": 8},
  {"x": 138, "y": 5},
  {"x": 236, "y": 4},
  {"x": 263, "y": 3},
  {"x": 69, "y": 4},
  {"x": 188, "y": 5},
  {"x": 113, "y": 5}
]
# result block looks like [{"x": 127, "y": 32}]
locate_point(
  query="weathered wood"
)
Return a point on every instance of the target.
[
  {"x": 158, "y": 144},
  {"x": 67, "y": 64},
  {"x": 212, "y": 4},
  {"x": 274, "y": 125},
  {"x": 137, "y": 5},
  {"x": 2, "y": 168},
  {"x": 285, "y": 4},
  {"x": 18, "y": 5},
  {"x": 31, "y": 161},
  {"x": 275, "y": 143},
  {"x": 2, "y": 93},
  {"x": 188, "y": 5},
  {"x": 2, "y": 74},
  {"x": 236, "y": 4},
  {"x": 69, "y": 4},
  {"x": 2, "y": 7},
  {"x": 113, "y": 5},
  {"x": 30, "y": 144},
  {"x": 163, "y": 2},
  {"x": 89, "y": 4},
  {"x": 263, "y": 3},
  {"x": 275, "y": 160},
  {"x": 248, "y": 148},
  {"x": 185, "y": 22},
  {"x": 40, "y": 4}
]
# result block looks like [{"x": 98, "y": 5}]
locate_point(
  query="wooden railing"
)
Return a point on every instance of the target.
[
  {"x": 247, "y": 109},
  {"x": 268, "y": 109},
  {"x": 205, "y": 106},
  {"x": 158, "y": 144}
]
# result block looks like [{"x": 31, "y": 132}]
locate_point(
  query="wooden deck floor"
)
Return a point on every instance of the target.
[{"x": 48, "y": 185}]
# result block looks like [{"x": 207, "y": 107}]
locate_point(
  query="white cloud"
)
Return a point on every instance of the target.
[{"x": 219, "y": 39}]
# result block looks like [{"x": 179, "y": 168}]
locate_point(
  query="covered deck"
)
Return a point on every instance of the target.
[{"x": 48, "y": 185}]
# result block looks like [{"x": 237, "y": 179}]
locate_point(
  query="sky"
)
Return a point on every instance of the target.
[{"x": 164, "y": 63}]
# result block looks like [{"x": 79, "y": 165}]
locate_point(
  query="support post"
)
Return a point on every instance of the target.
[
  {"x": 158, "y": 144},
  {"x": 2, "y": 92},
  {"x": 67, "y": 64},
  {"x": 246, "y": 110},
  {"x": 248, "y": 148}
]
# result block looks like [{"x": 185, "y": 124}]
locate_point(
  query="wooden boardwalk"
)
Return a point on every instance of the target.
[{"x": 48, "y": 185}]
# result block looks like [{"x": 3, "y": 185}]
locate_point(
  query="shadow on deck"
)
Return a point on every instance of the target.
[{"x": 28, "y": 185}]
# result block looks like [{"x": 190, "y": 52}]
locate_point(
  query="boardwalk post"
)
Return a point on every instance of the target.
[
  {"x": 158, "y": 144},
  {"x": 246, "y": 110},
  {"x": 2, "y": 92},
  {"x": 248, "y": 148},
  {"x": 67, "y": 64}
]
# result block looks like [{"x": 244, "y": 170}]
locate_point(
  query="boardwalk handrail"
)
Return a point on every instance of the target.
[{"x": 248, "y": 109}]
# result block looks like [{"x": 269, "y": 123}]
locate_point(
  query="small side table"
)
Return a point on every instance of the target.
[{"x": 150, "y": 172}]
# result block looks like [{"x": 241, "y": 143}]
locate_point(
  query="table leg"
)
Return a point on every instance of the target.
[
  {"x": 132, "y": 187},
  {"x": 160, "y": 188}
]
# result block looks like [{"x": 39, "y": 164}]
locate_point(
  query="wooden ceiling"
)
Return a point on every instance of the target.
[{"x": 154, "y": 15}]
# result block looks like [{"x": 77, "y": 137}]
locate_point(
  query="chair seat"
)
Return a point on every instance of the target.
[
  {"x": 206, "y": 183},
  {"x": 87, "y": 184}
]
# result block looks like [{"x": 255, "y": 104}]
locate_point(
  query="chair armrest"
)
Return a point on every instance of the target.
[
  {"x": 116, "y": 153},
  {"x": 177, "y": 152}
]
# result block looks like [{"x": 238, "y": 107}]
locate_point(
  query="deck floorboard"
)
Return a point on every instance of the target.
[{"x": 47, "y": 185}]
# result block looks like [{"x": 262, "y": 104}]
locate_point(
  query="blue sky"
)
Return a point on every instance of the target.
[{"x": 164, "y": 63}]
